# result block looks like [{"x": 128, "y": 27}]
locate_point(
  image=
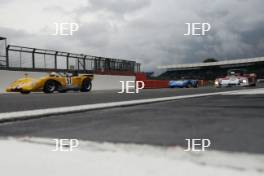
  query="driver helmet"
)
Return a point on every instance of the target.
[
  {"x": 68, "y": 74},
  {"x": 53, "y": 74}
]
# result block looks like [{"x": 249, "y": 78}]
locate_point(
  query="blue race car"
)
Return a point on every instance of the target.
[{"x": 183, "y": 83}]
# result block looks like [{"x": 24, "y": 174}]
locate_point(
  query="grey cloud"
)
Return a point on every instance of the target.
[
  {"x": 153, "y": 35},
  {"x": 5, "y": 1},
  {"x": 237, "y": 32},
  {"x": 14, "y": 35},
  {"x": 56, "y": 9},
  {"x": 116, "y": 6},
  {"x": 94, "y": 34}
]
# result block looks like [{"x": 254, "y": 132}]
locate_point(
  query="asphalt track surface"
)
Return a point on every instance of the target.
[
  {"x": 232, "y": 122},
  {"x": 18, "y": 102}
]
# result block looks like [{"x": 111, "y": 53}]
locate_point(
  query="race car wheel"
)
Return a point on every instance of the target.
[
  {"x": 86, "y": 85},
  {"x": 50, "y": 86}
]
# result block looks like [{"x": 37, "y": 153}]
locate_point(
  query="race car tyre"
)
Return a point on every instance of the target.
[
  {"x": 86, "y": 85},
  {"x": 50, "y": 86},
  {"x": 62, "y": 91},
  {"x": 25, "y": 92},
  {"x": 189, "y": 85}
]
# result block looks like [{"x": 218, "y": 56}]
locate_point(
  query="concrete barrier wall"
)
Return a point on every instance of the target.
[{"x": 100, "y": 82}]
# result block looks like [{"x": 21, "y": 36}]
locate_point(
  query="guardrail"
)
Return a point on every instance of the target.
[
  {"x": 2, "y": 63},
  {"x": 33, "y": 59},
  {"x": 2, "y": 52}
]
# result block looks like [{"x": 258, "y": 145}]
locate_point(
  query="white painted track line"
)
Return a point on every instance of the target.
[
  {"x": 19, "y": 115},
  {"x": 246, "y": 92}
]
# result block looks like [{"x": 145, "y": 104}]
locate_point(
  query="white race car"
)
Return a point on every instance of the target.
[{"x": 236, "y": 77}]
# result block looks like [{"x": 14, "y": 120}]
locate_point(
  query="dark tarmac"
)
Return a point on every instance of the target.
[
  {"x": 17, "y": 102},
  {"x": 231, "y": 122}
]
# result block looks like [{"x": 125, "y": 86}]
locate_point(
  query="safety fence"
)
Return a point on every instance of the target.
[
  {"x": 2, "y": 52},
  {"x": 33, "y": 59}
]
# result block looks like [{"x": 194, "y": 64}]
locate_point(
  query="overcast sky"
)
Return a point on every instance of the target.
[{"x": 148, "y": 31}]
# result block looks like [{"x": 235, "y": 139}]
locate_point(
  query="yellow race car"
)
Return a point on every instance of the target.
[{"x": 60, "y": 82}]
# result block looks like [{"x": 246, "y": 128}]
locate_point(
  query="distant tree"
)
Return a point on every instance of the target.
[{"x": 210, "y": 60}]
